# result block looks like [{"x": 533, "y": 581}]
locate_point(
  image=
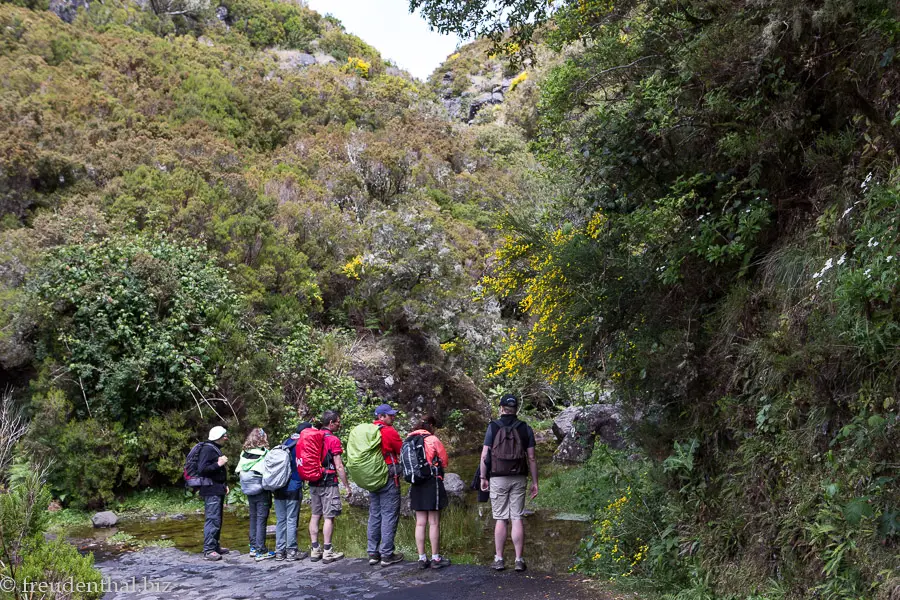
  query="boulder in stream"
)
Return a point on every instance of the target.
[{"x": 106, "y": 518}]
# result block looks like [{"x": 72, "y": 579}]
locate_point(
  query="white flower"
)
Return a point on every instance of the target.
[
  {"x": 842, "y": 259},
  {"x": 846, "y": 212},
  {"x": 867, "y": 272},
  {"x": 872, "y": 242},
  {"x": 865, "y": 184},
  {"x": 889, "y": 258}
]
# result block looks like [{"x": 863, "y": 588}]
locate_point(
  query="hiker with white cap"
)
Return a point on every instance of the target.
[{"x": 211, "y": 465}]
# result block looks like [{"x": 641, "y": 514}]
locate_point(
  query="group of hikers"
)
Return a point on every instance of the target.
[{"x": 376, "y": 458}]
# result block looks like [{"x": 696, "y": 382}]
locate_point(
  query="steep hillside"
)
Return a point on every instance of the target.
[
  {"x": 218, "y": 217},
  {"x": 724, "y": 250}
]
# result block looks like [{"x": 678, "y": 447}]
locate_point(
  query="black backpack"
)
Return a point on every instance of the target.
[
  {"x": 414, "y": 461},
  {"x": 191, "y": 465},
  {"x": 508, "y": 451}
]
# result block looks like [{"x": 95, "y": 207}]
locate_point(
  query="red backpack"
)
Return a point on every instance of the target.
[{"x": 311, "y": 454}]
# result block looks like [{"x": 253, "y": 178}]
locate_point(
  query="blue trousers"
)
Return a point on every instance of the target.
[{"x": 259, "y": 515}]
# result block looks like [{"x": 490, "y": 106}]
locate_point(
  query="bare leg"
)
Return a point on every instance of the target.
[
  {"x": 434, "y": 531},
  {"x": 314, "y": 528},
  {"x": 421, "y": 521},
  {"x": 518, "y": 536},
  {"x": 327, "y": 530},
  {"x": 499, "y": 536}
]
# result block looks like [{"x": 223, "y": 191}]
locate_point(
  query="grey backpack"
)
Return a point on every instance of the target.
[{"x": 276, "y": 470}]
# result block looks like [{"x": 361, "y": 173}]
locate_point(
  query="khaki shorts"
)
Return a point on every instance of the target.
[
  {"x": 325, "y": 500},
  {"x": 508, "y": 497}
]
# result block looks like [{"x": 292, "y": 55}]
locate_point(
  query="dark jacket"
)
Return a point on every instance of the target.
[
  {"x": 294, "y": 488},
  {"x": 208, "y": 466}
]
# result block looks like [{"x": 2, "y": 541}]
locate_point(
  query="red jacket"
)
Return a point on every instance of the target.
[
  {"x": 390, "y": 443},
  {"x": 433, "y": 447}
]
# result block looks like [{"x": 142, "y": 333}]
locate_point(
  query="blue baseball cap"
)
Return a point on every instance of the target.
[{"x": 385, "y": 409}]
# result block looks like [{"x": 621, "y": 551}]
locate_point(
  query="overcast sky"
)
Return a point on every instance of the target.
[{"x": 398, "y": 35}]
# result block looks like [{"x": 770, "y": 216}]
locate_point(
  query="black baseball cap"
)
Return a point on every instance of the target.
[{"x": 509, "y": 400}]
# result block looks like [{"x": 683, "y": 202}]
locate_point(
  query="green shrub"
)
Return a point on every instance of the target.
[
  {"x": 28, "y": 557},
  {"x": 100, "y": 457},
  {"x": 133, "y": 321}
]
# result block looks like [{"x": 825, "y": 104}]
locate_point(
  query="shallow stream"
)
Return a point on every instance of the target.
[{"x": 466, "y": 531}]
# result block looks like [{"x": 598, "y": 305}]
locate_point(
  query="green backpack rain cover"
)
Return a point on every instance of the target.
[{"x": 364, "y": 460}]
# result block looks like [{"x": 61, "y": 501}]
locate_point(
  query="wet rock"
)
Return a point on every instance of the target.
[
  {"x": 222, "y": 13},
  {"x": 178, "y": 517},
  {"x": 106, "y": 518}
]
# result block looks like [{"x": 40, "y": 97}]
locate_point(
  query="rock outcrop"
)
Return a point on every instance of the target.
[
  {"x": 67, "y": 10},
  {"x": 578, "y": 427},
  {"x": 411, "y": 371}
]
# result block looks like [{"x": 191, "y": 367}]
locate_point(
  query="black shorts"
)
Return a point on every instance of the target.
[{"x": 429, "y": 495}]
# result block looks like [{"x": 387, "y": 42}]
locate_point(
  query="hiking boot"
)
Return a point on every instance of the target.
[
  {"x": 252, "y": 552},
  {"x": 263, "y": 555},
  {"x": 279, "y": 555},
  {"x": 223, "y": 551},
  {"x": 498, "y": 564},
  {"x": 424, "y": 564},
  {"x": 391, "y": 559},
  {"x": 329, "y": 556},
  {"x": 440, "y": 564},
  {"x": 296, "y": 555},
  {"x": 374, "y": 559},
  {"x": 520, "y": 565},
  {"x": 212, "y": 555},
  {"x": 315, "y": 554}
]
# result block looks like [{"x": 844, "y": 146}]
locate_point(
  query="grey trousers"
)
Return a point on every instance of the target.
[
  {"x": 384, "y": 515},
  {"x": 212, "y": 526},
  {"x": 286, "y": 514}
]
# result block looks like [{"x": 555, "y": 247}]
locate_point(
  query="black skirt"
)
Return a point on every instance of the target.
[{"x": 429, "y": 495}]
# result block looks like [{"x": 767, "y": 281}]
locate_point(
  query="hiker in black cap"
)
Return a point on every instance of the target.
[{"x": 509, "y": 447}]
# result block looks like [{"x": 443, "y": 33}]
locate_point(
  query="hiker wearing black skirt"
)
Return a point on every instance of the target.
[{"x": 424, "y": 459}]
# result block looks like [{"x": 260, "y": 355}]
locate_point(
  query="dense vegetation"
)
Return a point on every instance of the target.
[
  {"x": 195, "y": 230},
  {"x": 725, "y": 252},
  {"x": 695, "y": 202}
]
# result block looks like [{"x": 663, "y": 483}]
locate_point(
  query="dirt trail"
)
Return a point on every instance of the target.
[{"x": 164, "y": 573}]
